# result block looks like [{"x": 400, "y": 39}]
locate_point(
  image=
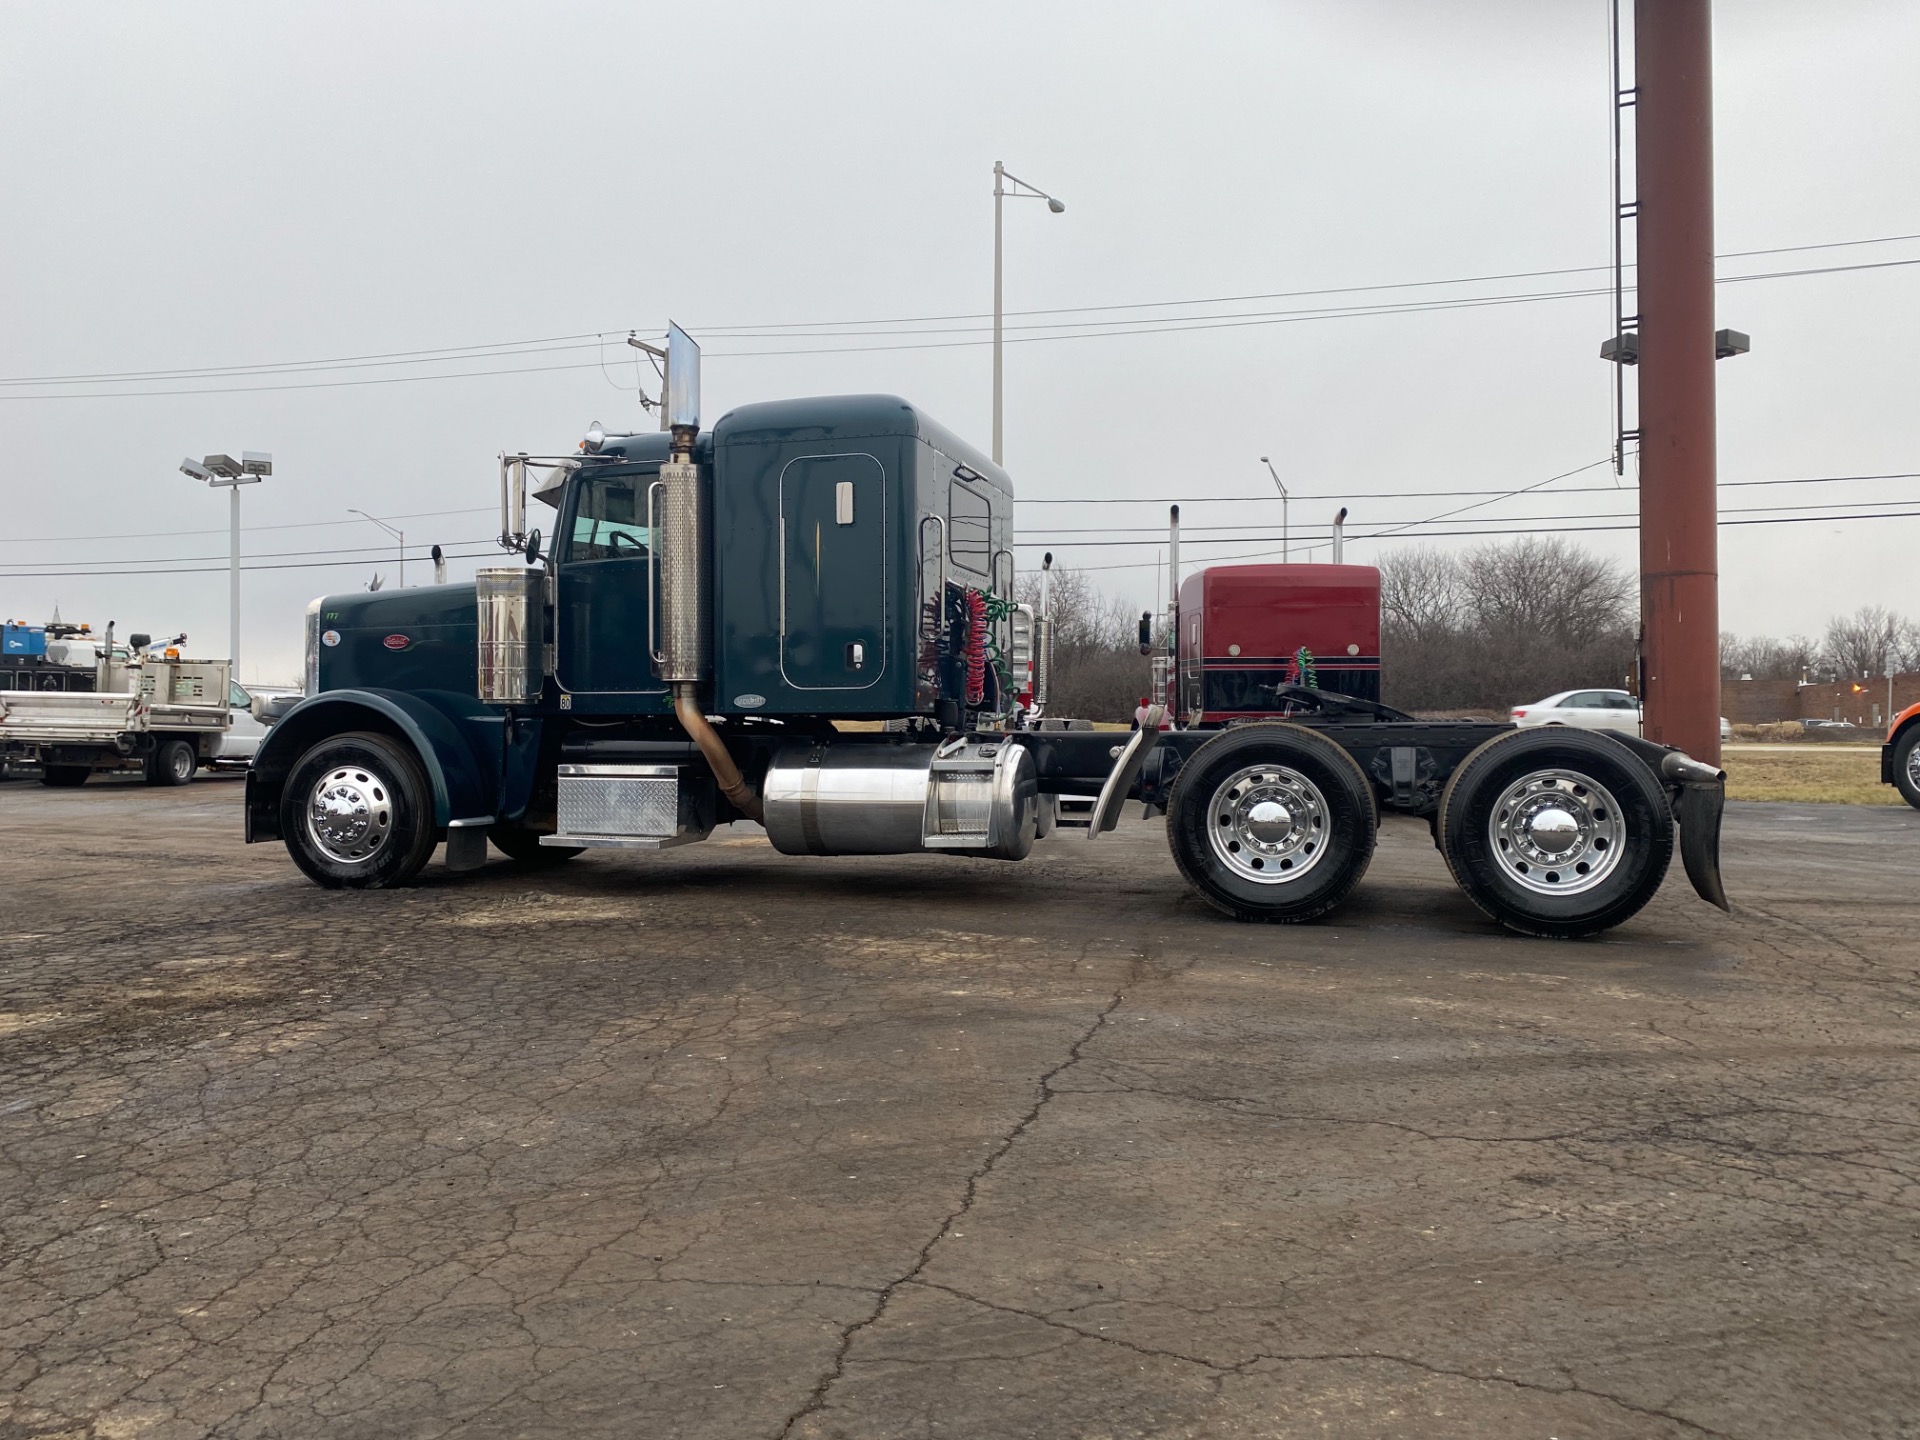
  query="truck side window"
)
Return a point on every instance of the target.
[
  {"x": 970, "y": 526},
  {"x": 609, "y": 518}
]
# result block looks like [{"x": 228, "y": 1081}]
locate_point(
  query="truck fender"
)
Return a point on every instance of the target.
[{"x": 463, "y": 785}]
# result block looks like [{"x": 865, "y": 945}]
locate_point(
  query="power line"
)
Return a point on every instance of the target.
[
  {"x": 1064, "y": 538},
  {"x": 375, "y": 553},
  {"x": 1091, "y": 329},
  {"x": 1345, "y": 496},
  {"x": 222, "y": 569},
  {"x": 1551, "y": 530},
  {"x": 485, "y": 349},
  {"x": 222, "y": 530},
  {"x": 741, "y": 330}
]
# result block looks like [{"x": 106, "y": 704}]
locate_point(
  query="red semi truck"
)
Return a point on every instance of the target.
[{"x": 1249, "y": 631}]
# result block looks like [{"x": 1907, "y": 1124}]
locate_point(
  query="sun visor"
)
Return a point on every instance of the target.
[{"x": 553, "y": 481}]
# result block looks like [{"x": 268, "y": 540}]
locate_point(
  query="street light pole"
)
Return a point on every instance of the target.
[
  {"x": 223, "y": 472},
  {"x": 1021, "y": 191},
  {"x": 1286, "y": 546},
  {"x": 399, "y": 535}
]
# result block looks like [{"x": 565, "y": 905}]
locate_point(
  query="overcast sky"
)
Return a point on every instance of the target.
[{"x": 236, "y": 185}]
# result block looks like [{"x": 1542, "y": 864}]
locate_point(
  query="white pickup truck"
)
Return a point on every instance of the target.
[{"x": 162, "y": 716}]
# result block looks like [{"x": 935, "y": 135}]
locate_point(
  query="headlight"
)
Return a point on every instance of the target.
[{"x": 312, "y": 673}]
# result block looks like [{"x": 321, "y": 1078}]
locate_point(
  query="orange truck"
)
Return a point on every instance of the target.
[{"x": 1900, "y": 756}]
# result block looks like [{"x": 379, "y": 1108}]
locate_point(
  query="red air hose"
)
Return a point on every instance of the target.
[{"x": 976, "y": 647}]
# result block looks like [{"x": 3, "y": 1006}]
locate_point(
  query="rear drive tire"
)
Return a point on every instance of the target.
[
  {"x": 1906, "y": 765},
  {"x": 523, "y": 847},
  {"x": 357, "y": 813},
  {"x": 1043, "y": 817},
  {"x": 1560, "y": 834},
  {"x": 64, "y": 777},
  {"x": 1272, "y": 822},
  {"x": 172, "y": 763}
]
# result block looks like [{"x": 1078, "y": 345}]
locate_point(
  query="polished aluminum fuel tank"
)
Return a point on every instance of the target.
[{"x": 968, "y": 795}]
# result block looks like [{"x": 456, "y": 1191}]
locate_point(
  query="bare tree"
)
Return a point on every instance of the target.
[
  {"x": 1867, "y": 642},
  {"x": 1420, "y": 591},
  {"x": 1545, "y": 586},
  {"x": 1501, "y": 623},
  {"x": 1098, "y": 671},
  {"x": 1761, "y": 657}
]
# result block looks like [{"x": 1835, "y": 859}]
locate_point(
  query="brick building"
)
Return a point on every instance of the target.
[{"x": 1863, "y": 702}]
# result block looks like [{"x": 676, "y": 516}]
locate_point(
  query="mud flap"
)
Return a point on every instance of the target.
[
  {"x": 467, "y": 844},
  {"x": 1698, "y": 810},
  {"x": 1126, "y": 770}
]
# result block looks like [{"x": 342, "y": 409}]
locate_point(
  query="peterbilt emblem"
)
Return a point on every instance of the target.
[
  {"x": 748, "y": 702},
  {"x": 330, "y": 638},
  {"x": 397, "y": 642}
]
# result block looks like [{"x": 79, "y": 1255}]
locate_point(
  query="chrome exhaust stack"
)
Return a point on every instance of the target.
[
  {"x": 685, "y": 654},
  {"x": 1043, "y": 638}
]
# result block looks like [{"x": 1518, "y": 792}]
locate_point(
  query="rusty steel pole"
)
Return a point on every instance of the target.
[{"x": 1679, "y": 538}]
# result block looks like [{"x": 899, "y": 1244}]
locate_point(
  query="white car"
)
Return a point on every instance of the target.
[
  {"x": 1591, "y": 710},
  {"x": 1584, "y": 710}
]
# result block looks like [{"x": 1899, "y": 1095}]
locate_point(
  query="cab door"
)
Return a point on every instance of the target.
[
  {"x": 604, "y": 595},
  {"x": 833, "y": 572}
]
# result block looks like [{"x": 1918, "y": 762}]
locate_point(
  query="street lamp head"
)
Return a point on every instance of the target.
[
  {"x": 256, "y": 462},
  {"x": 224, "y": 466},
  {"x": 195, "y": 470},
  {"x": 1265, "y": 461},
  {"x": 1058, "y": 207}
]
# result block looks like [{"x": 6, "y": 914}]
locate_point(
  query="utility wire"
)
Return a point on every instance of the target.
[
  {"x": 375, "y": 553},
  {"x": 1345, "y": 496},
  {"x": 1304, "y": 548},
  {"x": 1545, "y": 530},
  {"x": 222, "y": 530},
  {"x": 483, "y": 350},
  {"x": 1090, "y": 329},
  {"x": 222, "y": 569},
  {"x": 1342, "y": 497},
  {"x": 1158, "y": 537}
]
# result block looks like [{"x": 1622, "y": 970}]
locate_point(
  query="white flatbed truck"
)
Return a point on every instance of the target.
[{"x": 164, "y": 717}]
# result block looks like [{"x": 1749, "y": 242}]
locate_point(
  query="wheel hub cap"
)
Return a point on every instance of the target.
[
  {"x": 1268, "y": 824},
  {"x": 1553, "y": 831},
  {"x": 1556, "y": 832},
  {"x": 350, "y": 814}
]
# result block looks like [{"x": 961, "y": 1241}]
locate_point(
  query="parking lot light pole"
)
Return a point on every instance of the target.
[
  {"x": 1004, "y": 185},
  {"x": 399, "y": 535},
  {"x": 223, "y": 472},
  {"x": 1286, "y": 549}
]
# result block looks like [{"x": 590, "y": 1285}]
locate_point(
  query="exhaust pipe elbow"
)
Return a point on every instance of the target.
[{"x": 726, "y": 774}]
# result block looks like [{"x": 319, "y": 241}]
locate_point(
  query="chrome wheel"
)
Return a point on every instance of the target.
[
  {"x": 181, "y": 762},
  {"x": 350, "y": 814},
  {"x": 1913, "y": 766},
  {"x": 1556, "y": 832},
  {"x": 1268, "y": 824}
]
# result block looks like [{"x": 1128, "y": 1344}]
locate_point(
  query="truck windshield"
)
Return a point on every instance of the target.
[{"x": 609, "y": 518}]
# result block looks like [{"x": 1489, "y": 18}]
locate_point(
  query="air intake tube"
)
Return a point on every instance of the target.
[{"x": 684, "y": 619}]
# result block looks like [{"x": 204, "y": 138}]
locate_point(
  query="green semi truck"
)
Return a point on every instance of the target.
[{"x": 715, "y": 602}]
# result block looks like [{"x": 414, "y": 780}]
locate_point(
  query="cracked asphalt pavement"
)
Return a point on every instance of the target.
[{"x": 720, "y": 1143}]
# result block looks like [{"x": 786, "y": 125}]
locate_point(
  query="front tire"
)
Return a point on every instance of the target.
[
  {"x": 172, "y": 763},
  {"x": 1272, "y": 822},
  {"x": 357, "y": 813},
  {"x": 1556, "y": 834},
  {"x": 64, "y": 777},
  {"x": 1906, "y": 765}
]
